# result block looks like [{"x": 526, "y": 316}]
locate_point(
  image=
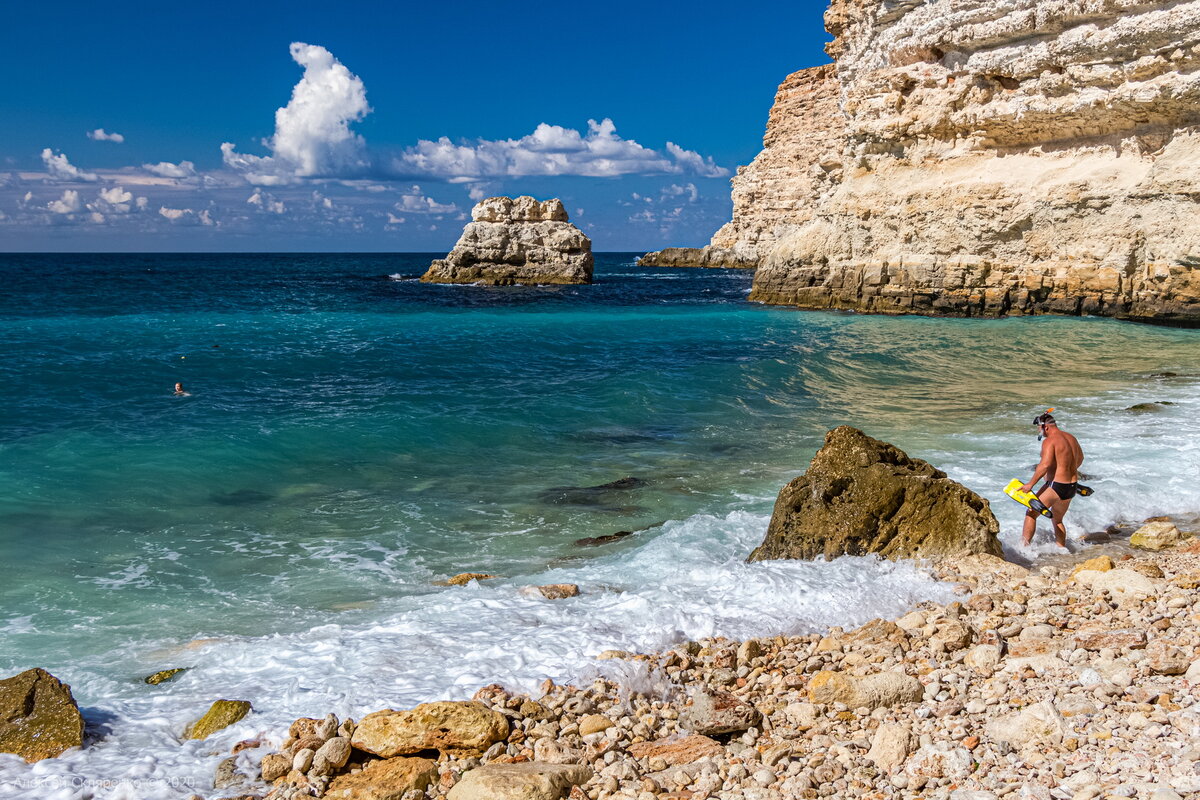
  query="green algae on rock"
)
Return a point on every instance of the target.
[
  {"x": 38, "y": 716},
  {"x": 221, "y": 714},
  {"x": 164, "y": 675},
  {"x": 861, "y": 496}
]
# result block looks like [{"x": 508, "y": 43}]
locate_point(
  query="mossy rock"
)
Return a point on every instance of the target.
[
  {"x": 219, "y": 716},
  {"x": 862, "y": 496},
  {"x": 164, "y": 675},
  {"x": 38, "y": 716}
]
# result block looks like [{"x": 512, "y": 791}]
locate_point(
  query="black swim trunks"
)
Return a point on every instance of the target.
[{"x": 1065, "y": 491}]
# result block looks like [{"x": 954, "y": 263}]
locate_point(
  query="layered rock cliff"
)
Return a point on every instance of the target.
[
  {"x": 984, "y": 157},
  {"x": 516, "y": 241}
]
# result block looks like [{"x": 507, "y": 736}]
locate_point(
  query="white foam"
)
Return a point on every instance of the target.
[{"x": 689, "y": 582}]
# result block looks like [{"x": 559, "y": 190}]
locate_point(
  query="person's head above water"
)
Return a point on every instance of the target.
[{"x": 1042, "y": 421}]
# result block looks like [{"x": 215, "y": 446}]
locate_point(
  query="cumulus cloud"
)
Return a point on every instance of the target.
[
  {"x": 112, "y": 201},
  {"x": 165, "y": 169},
  {"x": 415, "y": 202},
  {"x": 60, "y": 169},
  {"x": 175, "y": 214},
  {"x": 266, "y": 202},
  {"x": 550, "y": 150},
  {"x": 312, "y": 132},
  {"x": 675, "y": 190},
  {"x": 67, "y": 204},
  {"x": 100, "y": 135}
]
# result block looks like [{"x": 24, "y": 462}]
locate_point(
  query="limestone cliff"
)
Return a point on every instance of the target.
[
  {"x": 984, "y": 157},
  {"x": 516, "y": 241}
]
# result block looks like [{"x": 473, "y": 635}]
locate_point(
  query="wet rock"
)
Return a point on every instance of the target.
[
  {"x": 1144, "y": 408},
  {"x": 38, "y": 716},
  {"x": 458, "y": 727},
  {"x": 881, "y": 690},
  {"x": 676, "y": 750},
  {"x": 389, "y": 779},
  {"x": 221, "y": 714},
  {"x": 861, "y": 495},
  {"x": 590, "y": 495},
  {"x": 1156, "y": 536},
  {"x": 463, "y": 578},
  {"x": 164, "y": 675},
  {"x": 228, "y": 776},
  {"x": 552, "y": 591},
  {"x": 593, "y": 541},
  {"x": 716, "y": 713},
  {"x": 519, "y": 782}
]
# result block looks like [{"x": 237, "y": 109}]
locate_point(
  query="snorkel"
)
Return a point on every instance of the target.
[{"x": 1041, "y": 421}]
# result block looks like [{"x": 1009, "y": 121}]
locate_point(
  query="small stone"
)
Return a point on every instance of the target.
[
  {"x": 275, "y": 765},
  {"x": 883, "y": 689},
  {"x": 303, "y": 759},
  {"x": 463, "y": 578},
  {"x": 594, "y": 723},
  {"x": 678, "y": 750},
  {"x": 227, "y": 775},
  {"x": 552, "y": 591},
  {"x": 715, "y": 713},
  {"x": 890, "y": 747}
]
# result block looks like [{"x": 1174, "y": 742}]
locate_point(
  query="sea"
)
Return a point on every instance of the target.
[{"x": 351, "y": 437}]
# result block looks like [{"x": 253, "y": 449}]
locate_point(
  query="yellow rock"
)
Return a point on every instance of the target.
[
  {"x": 1097, "y": 564},
  {"x": 221, "y": 714}
]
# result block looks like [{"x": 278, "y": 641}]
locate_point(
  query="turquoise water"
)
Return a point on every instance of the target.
[{"x": 352, "y": 436}]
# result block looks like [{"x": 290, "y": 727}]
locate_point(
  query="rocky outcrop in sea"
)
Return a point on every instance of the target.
[
  {"x": 516, "y": 241},
  {"x": 984, "y": 158}
]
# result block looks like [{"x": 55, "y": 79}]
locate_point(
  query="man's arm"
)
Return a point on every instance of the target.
[{"x": 1044, "y": 468}]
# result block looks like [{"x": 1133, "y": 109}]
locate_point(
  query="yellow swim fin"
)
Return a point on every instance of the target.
[{"x": 1027, "y": 499}]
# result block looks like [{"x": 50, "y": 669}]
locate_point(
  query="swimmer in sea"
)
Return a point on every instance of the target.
[
  {"x": 1061, "y": 459},
  {"x": 179, "y": 392}
]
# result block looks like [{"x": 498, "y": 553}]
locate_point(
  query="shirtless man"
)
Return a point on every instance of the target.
[{"x": 1061, "y": 458}]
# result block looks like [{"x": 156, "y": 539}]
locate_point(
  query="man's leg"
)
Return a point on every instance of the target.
[
  {"x": 1049, "y": 497},
  {"x": 1059, "y": 510}
]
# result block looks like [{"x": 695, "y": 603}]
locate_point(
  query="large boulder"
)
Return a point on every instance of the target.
[
  {"x": 389, "y": 779},
  {"x": 451, "y": 726},
  {"x": 531, "y": 781},
  {"x": 516, "y": 241},
  {"x": 38, "y": 716},
  {"x": 861, "y": 495}
]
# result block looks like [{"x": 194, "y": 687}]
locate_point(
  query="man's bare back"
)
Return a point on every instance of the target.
[{"x": 1059, "y": 467}]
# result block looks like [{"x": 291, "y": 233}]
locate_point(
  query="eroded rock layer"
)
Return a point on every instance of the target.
[
  {"x": 516, "y": 241},
  {"x": 985, "y": 157}
]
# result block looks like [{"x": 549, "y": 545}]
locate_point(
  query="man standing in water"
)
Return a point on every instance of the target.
[{"x": 1061, "y": 458}]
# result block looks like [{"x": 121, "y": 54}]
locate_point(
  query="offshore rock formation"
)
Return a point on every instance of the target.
[
  {"x": 984, "y": 157},
  {"x": 861, "y": 495},
  {"x": 516, "y": 241},
  {"x": 710, "y": 257}
]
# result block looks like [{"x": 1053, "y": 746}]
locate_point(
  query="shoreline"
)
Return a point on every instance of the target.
[{"x": 1034, "y": 678}]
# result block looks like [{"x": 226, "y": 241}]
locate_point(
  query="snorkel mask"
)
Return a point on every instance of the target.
[{"x": 1041, "y": 421}]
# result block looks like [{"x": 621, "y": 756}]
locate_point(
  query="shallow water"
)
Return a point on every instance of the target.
[{"x": 352, "y": 437}]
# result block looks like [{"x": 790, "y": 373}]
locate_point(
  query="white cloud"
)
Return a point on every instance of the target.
[
  {"x": 206, "y": 218},
  {"x": 480, "y": 191},
  {"x": 112, "y": 201},
  {"x": 550, "y": 150},
  {"x": 394, "y": 220},
  {"x": 61, "y": 169},
  {"x": 101, "y": 136},
  {"x": 312, "y": 132},
  {"x": 415, "y": 202},
  {"x": 67, "y": 204},
  {"x": 675, "y": 190},
  {"x": 266, "y": 202},
  {"x": 165, "y": 169},
  {"x": 96, "y": 217},
  {"x": 142, "y": 202},
  {"x": 174, "y": 214}
]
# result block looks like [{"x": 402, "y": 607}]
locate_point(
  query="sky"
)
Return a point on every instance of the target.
[{"x": 376, "y": 126}]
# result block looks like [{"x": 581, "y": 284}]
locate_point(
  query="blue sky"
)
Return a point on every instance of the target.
[{"x": 375, "y": 126}]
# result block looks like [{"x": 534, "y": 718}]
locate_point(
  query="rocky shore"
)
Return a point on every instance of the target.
[{"x": 1070, "y": 680}]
